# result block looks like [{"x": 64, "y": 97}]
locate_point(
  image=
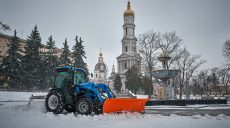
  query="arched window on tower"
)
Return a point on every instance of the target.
[
  {"x": 126, "y": 31},
  {"x": 126, "y": 48},
  {"x": 125, "y": 66}
]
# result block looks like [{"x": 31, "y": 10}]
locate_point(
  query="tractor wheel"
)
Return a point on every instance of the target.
[
  {"x": 70, "y": 108},
  {"x": 83, "y": 107},
  {"x": 98, "y": 110},
  {"x": 54, "y": 102}
]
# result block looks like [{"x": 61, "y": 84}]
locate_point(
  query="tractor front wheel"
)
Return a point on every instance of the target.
[
  {"x": 83, "y": 107},
  {"x": 54, "y": 102}
]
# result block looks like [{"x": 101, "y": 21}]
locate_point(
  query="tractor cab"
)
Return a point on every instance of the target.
[{"x": 68, "y": 76}]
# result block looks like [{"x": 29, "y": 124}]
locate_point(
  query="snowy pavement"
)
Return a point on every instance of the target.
[
  {"x": 18, "y": 96},
  {"x": 16, "y": 114}
]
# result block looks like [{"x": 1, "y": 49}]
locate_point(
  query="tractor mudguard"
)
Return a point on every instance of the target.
[{"x": 112, "y": 105}]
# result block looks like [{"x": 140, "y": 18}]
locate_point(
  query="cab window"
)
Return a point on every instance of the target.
[
  {"x": 79, "y": 77},
  {"x": 60, "y": 78}
]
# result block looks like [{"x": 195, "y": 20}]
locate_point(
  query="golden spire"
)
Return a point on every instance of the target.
[
  {"x": 100, "y": 54},
  {"x": 100, "y": 58},
  {"x": 113, "y": 69},
  {"x": 128, "y": 5},
  {"x": 128, "y": 11}
]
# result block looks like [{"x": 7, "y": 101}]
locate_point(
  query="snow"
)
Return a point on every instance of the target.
[
  {"x": 142, "y": 96},
  {"x": 18, "y": 96},
  {"x": 16, "y": 114}
]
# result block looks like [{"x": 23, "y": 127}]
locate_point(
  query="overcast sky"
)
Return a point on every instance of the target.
[{"x": 204, "y": 25}]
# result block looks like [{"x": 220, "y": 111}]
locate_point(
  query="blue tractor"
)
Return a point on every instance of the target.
[{"x": 72, "y": 92}]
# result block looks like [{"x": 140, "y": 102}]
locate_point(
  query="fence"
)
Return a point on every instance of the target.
[{"x": 186, "y": 102}]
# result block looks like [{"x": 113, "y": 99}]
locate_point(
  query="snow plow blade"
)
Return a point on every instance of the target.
[
  {"x": 124, "y": 104},
  {"x": 35, "y": 102}
]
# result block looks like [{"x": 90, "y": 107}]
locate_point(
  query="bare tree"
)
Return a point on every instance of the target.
[
  {"x": 213, "y": 81},
  {"x": 4, "y": 26},
  {"x": 202, "y": 77},
  {"x": 147, "y": 46},
  {"x": 151, "y": 43},
  {"x": 226, "y": 51},
  {"x": 225, "y": 79},
  {"x": 187, "y": 63},
  {"x": 170, "y": 44}
]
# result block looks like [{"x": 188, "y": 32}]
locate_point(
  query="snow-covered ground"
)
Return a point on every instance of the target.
[
  {"x": 18, "y": 96},
  {"x": 16, "y": 115}
]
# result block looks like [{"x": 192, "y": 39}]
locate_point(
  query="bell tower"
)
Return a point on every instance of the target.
[
  {"x": 129, "y": 39},
  {"x": 129, "y": 56}
]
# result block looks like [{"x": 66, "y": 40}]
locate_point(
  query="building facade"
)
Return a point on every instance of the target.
[
  {"x": 112, "y": 78},
  {"x": 5, "y": 39},
  {"x": 129, "y": 56}
]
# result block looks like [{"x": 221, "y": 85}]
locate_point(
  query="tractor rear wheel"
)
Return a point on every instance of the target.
[
  {"x": 83, "y": 107},
  {"x": 54, "y": 102}
]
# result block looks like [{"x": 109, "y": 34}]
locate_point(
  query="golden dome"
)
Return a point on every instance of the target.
[{"x": 128, "y": 11}]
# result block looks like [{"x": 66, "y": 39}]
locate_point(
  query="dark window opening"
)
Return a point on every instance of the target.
[{"x": 125, "y": 66}]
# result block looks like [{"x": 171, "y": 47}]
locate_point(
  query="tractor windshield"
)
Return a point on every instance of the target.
[
  {"x": 79, "y": 77},
  {"x": 61, "y": 78}
]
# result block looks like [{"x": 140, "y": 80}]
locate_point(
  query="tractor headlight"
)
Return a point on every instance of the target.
[{"x": 105, "y": 95}]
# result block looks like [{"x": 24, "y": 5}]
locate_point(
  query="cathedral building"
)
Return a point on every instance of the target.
[
  {"x": 112, "y": 78},
  {"x": 129, "y": 56},
  {"x": 100, "y": 71}
]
